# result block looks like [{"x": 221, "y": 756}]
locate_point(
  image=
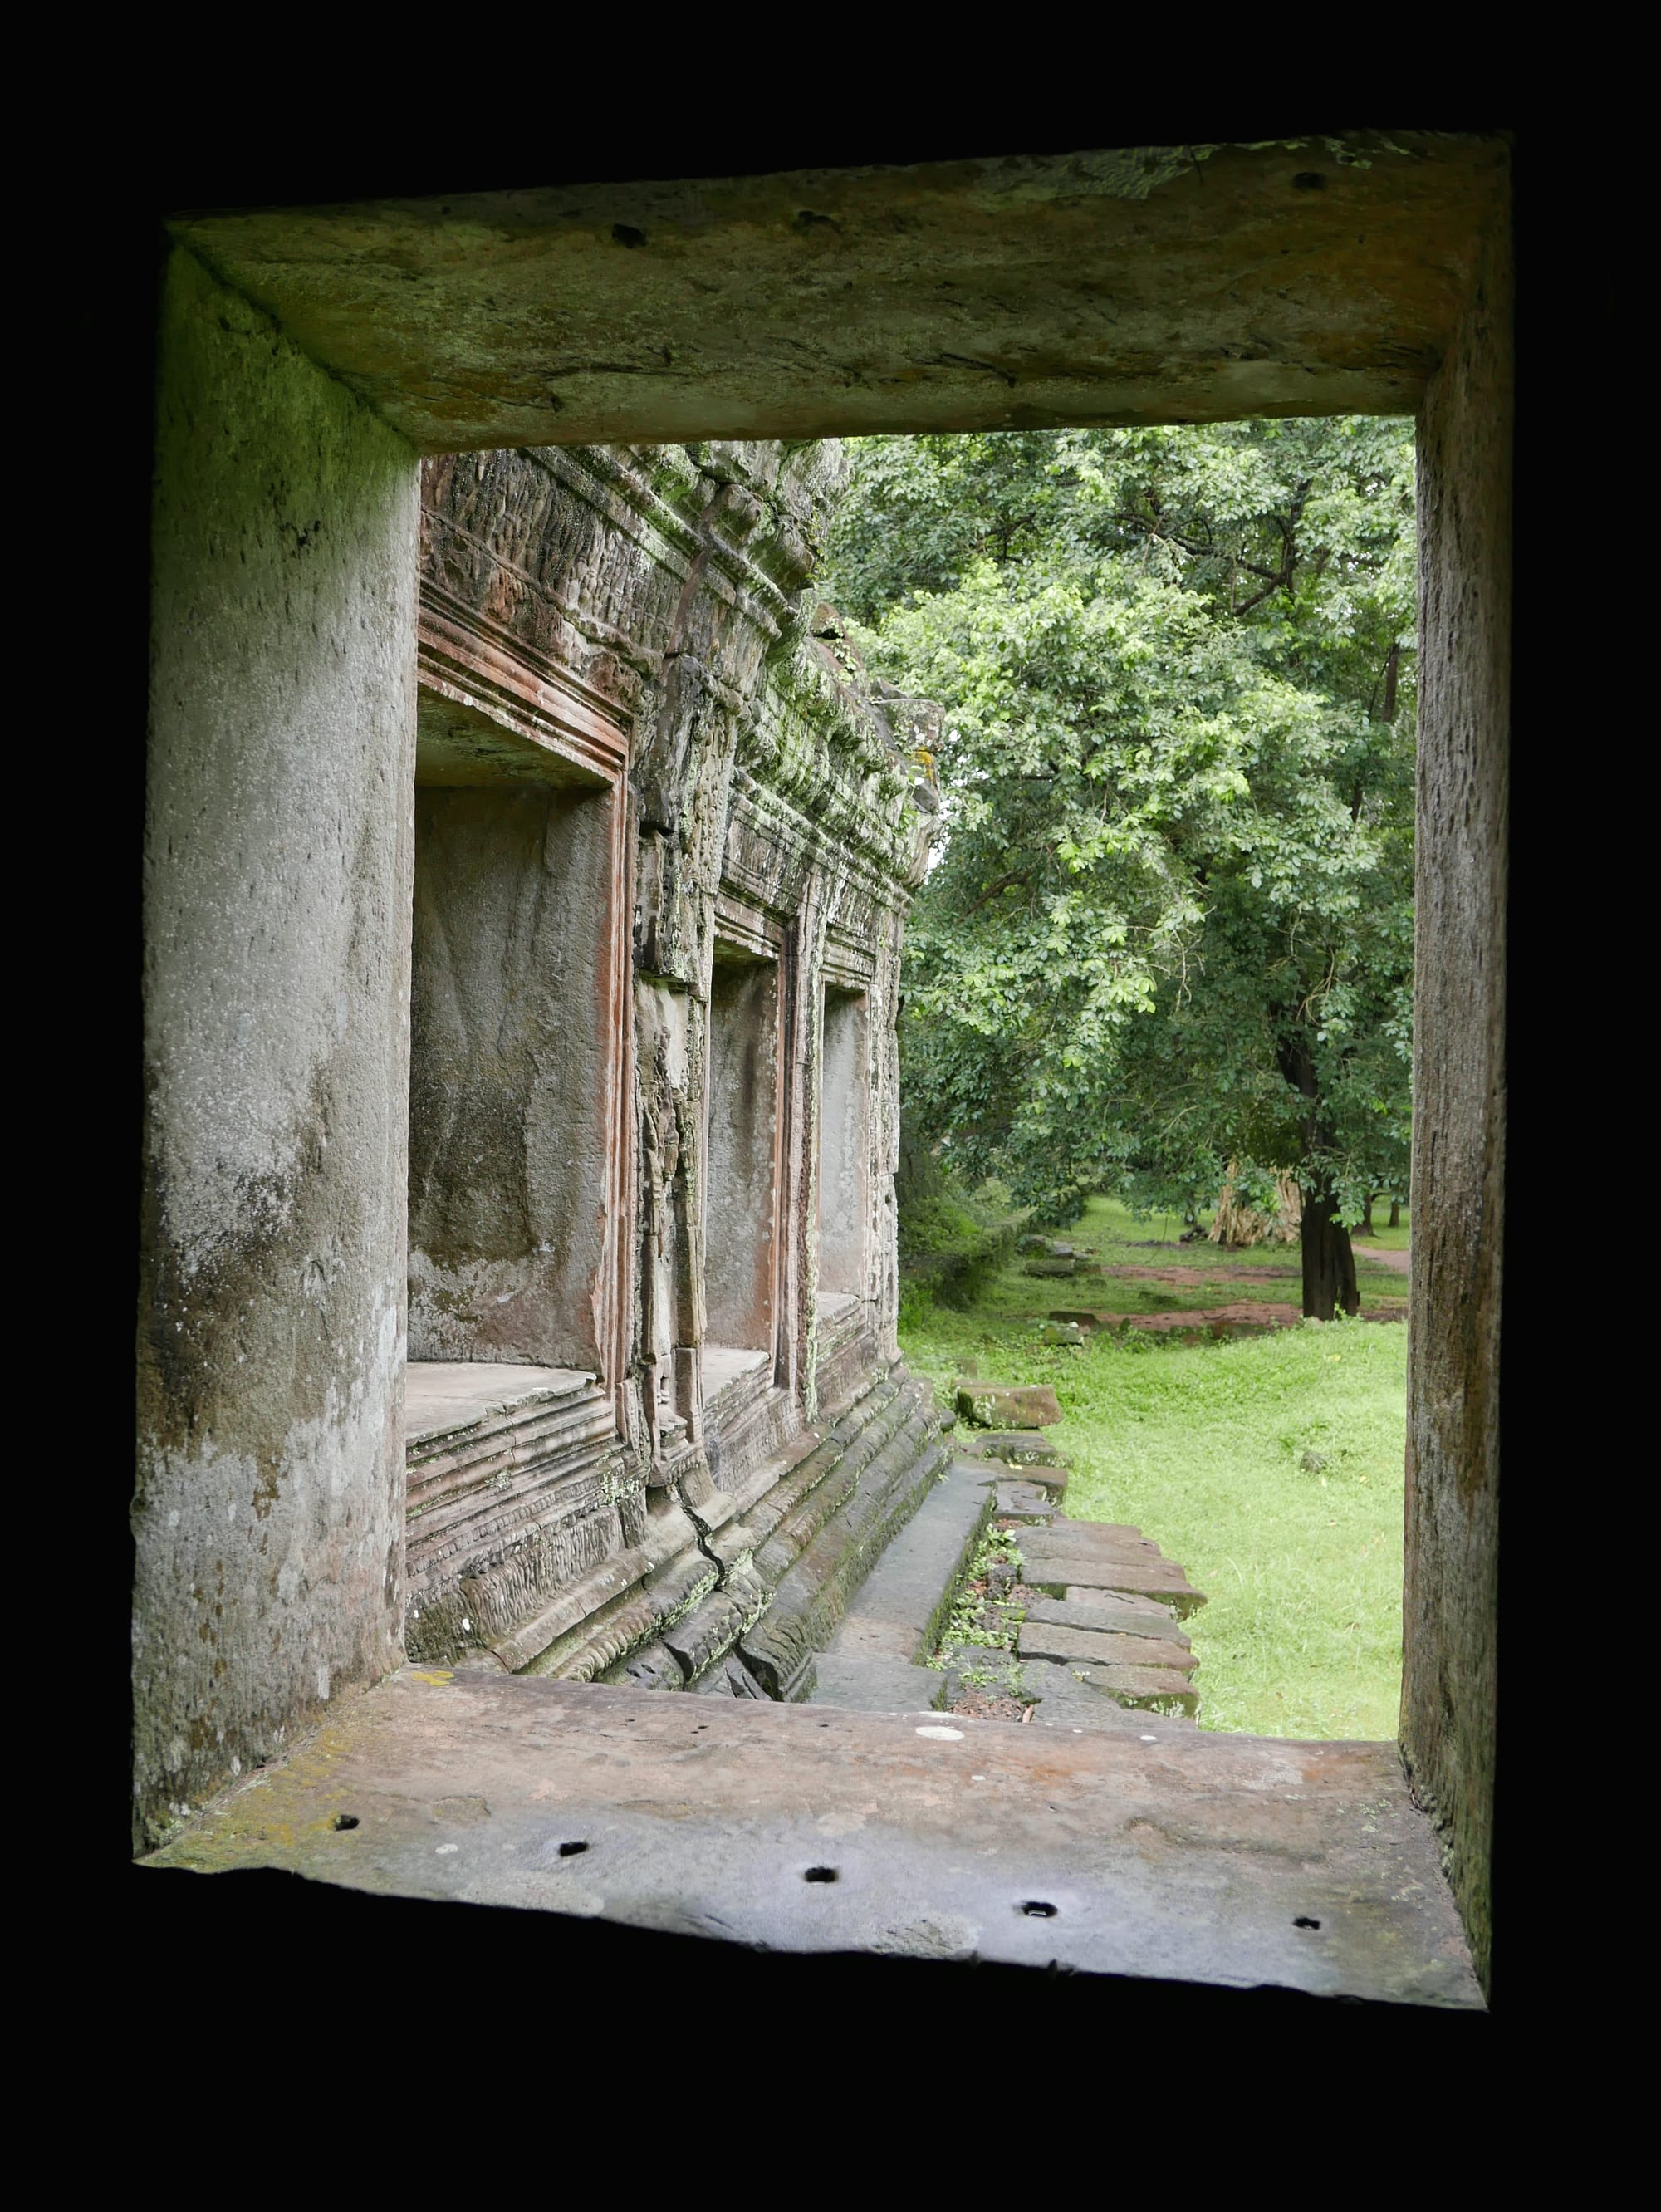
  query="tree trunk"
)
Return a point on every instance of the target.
[
  {"x": 1235, "y": 1225},
  {"x": 1328, "y": 1264},
  {"x": 1367, "y": 1229},
  {"x": 1394, "y": 1213}
]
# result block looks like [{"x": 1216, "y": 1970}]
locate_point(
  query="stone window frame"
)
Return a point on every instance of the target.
[
  {"x": 1438, "y": 339},
  {"x": 751, "y": 933},
  {"x": 479, "y": 668},
  {"x": 850, "y": 971}
]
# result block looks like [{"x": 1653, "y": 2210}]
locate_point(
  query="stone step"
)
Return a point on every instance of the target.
[
  {"x": 1028, "y": 1450},
  {"x": 1065, "y": 1702},
  {"x": 916, "y": 1578},
  {"x": 1118, "y": 1616},
  {"x": 1057, "y": 1571},
  {"x": 1148, "y": 1689},
  {"x": 787, "y": 1521},
  {"x": 709, "y": 1632},
  {"x": 1026, "y": 1501},
  {"x": 1088, "y": 1647},
  {"x": 704, "y": 1603},
  {"x": 1047, "y": 1553},
  {"x": 1093, "y": 1538},
  {"x": 605, "y": 1640},
  {"x": 1149, "y": 1608}
]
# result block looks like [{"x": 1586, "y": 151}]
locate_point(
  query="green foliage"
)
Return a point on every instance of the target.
[
  {"x": 1171, "y": 924},
  {"x": 968, "y": 1622},
  {"x": 951, "y": 1243}
]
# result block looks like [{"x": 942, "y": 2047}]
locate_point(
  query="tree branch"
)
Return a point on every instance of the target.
[{"x": 1003, "y": 884}]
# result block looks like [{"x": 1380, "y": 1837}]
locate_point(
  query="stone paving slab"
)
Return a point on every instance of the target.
[
  {"x": 994, "y": 1673},
  {"x": 1029, "y": 1449},
  {"x": 1120, "y": 1601},
  {"x": 1096, "y": 1538},
  {"x": 1227, "y": 1860},
  {"x": 1166, "y": 1583},
  {"x": 1040, "y": 1639},
  {"x": 871, "y": 1682},
  {"x": 860, "y": 1637},
  {"x": 1066, "y": 1701},
  {"x": 1157, "y": 1689},
  {"x": 1118, "y": 1616},
  {"x": 1026, "y": 1501}
]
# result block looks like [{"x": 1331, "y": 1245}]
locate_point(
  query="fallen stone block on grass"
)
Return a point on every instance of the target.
[
  {"x": 1060, "y": 1332},
  {"x": 1050, "y": 1266},
  {"x": 1018, "y": 1405}
]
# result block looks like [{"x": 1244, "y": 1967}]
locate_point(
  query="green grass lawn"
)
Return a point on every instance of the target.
[
  {"x": 1383, "y": 1237},
  {"x": 1212, "y": 1449}
]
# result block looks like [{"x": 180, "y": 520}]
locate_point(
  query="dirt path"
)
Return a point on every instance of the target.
[
  {"x": 1396, "y": 1261},
  {"x": 1181, "y": 1275},
  {"x": 1246, "y": 1314}
]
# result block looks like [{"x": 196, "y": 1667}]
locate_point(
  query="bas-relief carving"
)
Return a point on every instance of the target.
[{"x": 659, "y": 593}]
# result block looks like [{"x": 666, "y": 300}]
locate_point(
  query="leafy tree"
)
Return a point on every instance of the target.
[{"x": 1171, "y": 923}]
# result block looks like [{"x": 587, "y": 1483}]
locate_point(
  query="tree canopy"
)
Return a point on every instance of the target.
[{"x": 1170, "y": 923}]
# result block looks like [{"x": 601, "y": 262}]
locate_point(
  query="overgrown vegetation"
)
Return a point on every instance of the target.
[
  {"x": 972, "y": 1620},
  {"x": 1171, "y": 924},
  {"x": 952, "y": 1243},
  {"x": 1271, "y": 1466}
]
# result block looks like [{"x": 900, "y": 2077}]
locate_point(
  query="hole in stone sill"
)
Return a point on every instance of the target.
[
  {"x": 1309, "y": 180},
  {"x": 821, "y": 1874},
  {"x": 570, "y": 1850},
  {"x": 1036, "y": 1909},
  {"x": 1304, "y": 1921},
  {"x": 346, "y": 1821}
]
